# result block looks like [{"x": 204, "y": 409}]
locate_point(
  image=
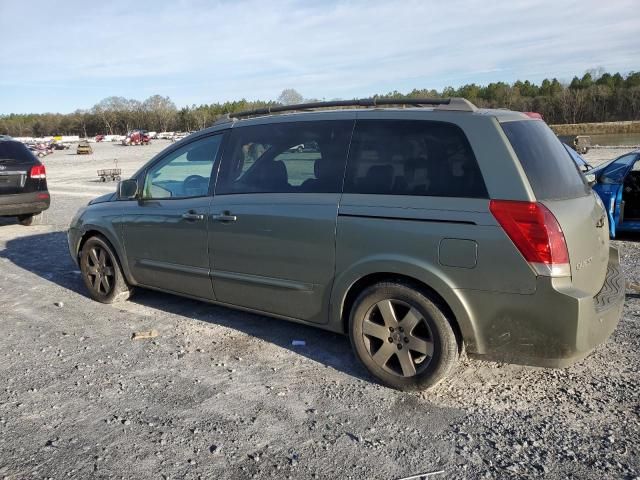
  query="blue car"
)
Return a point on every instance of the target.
[{"x": 618, "y": 184}]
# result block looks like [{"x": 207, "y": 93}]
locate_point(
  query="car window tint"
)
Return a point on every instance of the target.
[
  {"x": 184, "y": 172},
  {"x": 552, "y": 175},
  {"x": 302, "y": 157},
  {"x": 251, "y": 152},
  {"x": 412, "y": 157},
  {"x": 300, "y": 161},
  {"x": 16, "y": 152},
  {"x": 616, "y": 170}
]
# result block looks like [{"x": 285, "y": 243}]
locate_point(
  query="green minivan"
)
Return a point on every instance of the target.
[{"x": 418, "y": 229}]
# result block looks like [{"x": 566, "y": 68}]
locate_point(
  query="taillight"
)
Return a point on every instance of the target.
[
  {"x": 38, "y": 171},
  {"x": 536, "y": 234}
]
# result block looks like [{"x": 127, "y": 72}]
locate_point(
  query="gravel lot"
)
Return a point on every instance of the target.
[{"x": 224, "y": 394}]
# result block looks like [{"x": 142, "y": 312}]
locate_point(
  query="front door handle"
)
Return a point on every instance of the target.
[
  {"x": 224, "y": 217},
  {"x": 193, "y": 216}
]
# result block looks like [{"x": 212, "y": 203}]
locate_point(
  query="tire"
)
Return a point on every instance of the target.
[
  {"x": 101, "y": 272},
  {"x": 31, "y": 219},
  {"x": 402, "y": 337}
]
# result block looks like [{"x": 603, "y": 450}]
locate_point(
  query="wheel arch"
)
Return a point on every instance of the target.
[
  {"x": 349, "y": 286},
  {"x": 114, "y": 243}
]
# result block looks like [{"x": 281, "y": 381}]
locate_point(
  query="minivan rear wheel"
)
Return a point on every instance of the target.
[
  {"x": 101, "y": 272},
  {"x": 402, "y": 337}
]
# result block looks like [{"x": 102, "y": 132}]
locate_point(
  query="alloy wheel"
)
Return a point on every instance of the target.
[
  {"x": 99, "y": 270},
  {"x": 398, "y": 337}
]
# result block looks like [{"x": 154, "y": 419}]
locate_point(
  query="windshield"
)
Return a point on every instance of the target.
[{"x": 615, "y": 170}]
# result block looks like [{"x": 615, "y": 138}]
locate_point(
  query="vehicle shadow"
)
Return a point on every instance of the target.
[
  {"x": 8, "y": 221},
  {"x": 52, "y": 261},
  {"x": 54, "y": 264}
]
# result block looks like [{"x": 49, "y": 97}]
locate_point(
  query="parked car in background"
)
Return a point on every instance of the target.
[
  {"x": 84, "y": 148},
  {"x": 617, "y": 182},
  {"x": 60, "y": 145},
  {"x": 582, "y": 144},
  {"x": 177, "y": 136},
  {"x": 99, "y": 138},
  {"x": 136, "y": 137},
  {"x": 416, "y": 231},
  {"x": 40, "y": 150},
  {"x": 23, "y": 183},
  {"x": 581, "y": 163}
]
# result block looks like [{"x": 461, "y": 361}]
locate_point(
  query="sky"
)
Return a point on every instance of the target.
[{"x": 61, "y": 56}]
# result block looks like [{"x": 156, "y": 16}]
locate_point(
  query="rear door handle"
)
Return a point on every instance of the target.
[
  {"x": 193, "y": 216},
  {"x": 224, "y": 217}
]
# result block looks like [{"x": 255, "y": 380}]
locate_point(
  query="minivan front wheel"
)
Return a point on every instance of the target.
[
  {"x": 101, "y": 272},
  {"x": 402, "y": 337}
]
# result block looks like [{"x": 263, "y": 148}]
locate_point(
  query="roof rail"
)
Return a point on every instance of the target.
[{"x": 454, "y": 103}]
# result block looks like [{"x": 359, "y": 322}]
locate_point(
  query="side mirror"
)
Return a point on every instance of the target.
[
  {"x": 127, "y": 189},
  {"x": 591, "y": 178}
]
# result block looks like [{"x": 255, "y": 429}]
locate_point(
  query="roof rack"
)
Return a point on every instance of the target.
[{"x": 454, "y": 103}]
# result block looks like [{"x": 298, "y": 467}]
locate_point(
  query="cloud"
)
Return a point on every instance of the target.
[{"x": 200, "y": 51}]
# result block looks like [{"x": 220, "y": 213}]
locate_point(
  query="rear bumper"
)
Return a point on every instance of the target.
[
  {"x": 555, "y": 327},
  {"x": 24, "y": 203}
]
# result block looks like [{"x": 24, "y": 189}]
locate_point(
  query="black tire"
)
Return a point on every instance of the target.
[
  {"x": 413, "y": 358},
  {"x": 101, "y": 272},
  {"x": 30, "y": 219}
]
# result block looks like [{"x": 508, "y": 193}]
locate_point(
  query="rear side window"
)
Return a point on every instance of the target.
[
  {"x": 412, "y": 157},
  {"x": 300, "y": 157},
  {"x": 551, "y": 172},
  {"x": 16, "y": 152}
]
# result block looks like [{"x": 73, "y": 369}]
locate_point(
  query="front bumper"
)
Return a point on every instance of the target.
[
  {"x": 555, "y": 327},
  {"x": 24, "y": 203},
  {"x": 73, "y": 240}
]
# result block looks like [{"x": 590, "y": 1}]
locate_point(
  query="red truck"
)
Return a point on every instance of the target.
[{"x": 136, "y": 137}]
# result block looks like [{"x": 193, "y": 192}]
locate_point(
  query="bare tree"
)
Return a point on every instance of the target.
[
  {"x": 160, "y": 112},
  {"x": 289, "y": 96}
]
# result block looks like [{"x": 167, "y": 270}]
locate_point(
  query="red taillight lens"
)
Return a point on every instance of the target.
[
  {"x": 536, "y": 233},
  {"x": 38, "y": 171}
]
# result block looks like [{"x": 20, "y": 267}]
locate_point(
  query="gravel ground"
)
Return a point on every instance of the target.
[{"x": 223, "y": 394}]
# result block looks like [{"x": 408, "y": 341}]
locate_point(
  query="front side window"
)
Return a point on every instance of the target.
[
  {"x": 409, "y": 157},
  {"x": 183, "y": 173},
  {"x": 301, "y": 157}
]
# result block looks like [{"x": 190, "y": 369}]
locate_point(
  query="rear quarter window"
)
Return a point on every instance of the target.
[
  {"x": 412, "y": 157},
  {"x": 552, "y": 173},
  {"x": 16, "y": 152}
]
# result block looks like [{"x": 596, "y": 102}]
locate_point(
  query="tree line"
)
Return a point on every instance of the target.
[{"x": 597, "y": 96}]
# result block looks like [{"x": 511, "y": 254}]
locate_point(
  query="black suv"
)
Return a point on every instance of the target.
[{"x": 23, "y": 183}]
